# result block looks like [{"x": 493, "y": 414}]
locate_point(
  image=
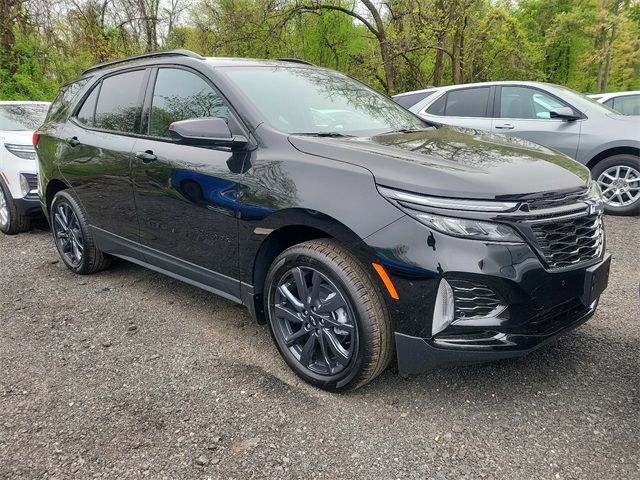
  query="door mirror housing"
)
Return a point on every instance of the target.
[
  {"x": 206, "y": 132},
  {"x": 564, "y": 113}
]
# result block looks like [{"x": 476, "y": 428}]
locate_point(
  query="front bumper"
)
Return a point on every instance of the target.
[
  {"x": 418, "y": 355},
  {"x": 28, "y": 206},
  {"x": 542, "y": 303}
]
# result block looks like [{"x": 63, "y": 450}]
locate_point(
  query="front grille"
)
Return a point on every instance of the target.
[
  {"x": 472, "y": 299},
  {"x": 568, "y": 242}
]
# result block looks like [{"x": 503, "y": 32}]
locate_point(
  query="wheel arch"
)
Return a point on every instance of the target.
[
  {"x": 54, "y": 186},
  {"x": 624, "y": 150},
  {"x": 307, "y": 226}
]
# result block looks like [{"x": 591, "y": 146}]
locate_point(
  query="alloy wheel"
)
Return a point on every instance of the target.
[
  {"x": 620, "y": 185},
  {"x": 4, "y": 209},
  {"x": 314, "y": 321},
  {"x": 68, "y": 234}
]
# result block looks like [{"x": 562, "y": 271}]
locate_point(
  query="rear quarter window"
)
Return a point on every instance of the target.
[{"x": 61, "y": 105}]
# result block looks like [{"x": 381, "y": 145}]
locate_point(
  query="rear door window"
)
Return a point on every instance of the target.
[
  {"x": 469, "y": 102},
  {"x": 86, "y": 114},
  {"x": 120, "y": 102}
]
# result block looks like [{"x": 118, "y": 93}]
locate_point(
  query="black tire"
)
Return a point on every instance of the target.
[
  {"x": 14, "y": 222},
  {"x": 91, "y": 260},
  {"x": 371, "y": 344},
  {"x": 625, "y": 161}
]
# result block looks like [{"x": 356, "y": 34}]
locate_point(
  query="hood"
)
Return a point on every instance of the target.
[
  {"x": 17, "y": 138},
  {"x": 454, "y": 162}
]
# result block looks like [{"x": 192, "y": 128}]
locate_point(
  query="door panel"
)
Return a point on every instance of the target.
[
  {"x": 186, "y": 196},
  {"x": 98, "y": 151},
  {"x": 523, "y": 112}
]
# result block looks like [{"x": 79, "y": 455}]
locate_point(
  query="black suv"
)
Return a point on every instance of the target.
[{"x": 350, "y": 226}]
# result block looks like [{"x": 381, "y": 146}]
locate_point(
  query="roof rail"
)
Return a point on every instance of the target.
[
  {"x": 166, "y": 53},
  {"x": 295, "y": 60}
]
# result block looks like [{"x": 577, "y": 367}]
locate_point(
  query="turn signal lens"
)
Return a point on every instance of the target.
[{"x": 444, "y": 308}]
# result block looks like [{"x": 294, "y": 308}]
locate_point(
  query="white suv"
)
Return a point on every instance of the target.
[{"x": 18, "y": 167}]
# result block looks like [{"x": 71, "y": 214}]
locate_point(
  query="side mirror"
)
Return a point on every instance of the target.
[
  {"x": 207, "y": 131},
  {"x": 564, "y": 113}
]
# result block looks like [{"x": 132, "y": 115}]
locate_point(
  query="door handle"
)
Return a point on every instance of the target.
[
  {"x": 73, "y": 141},
  {"x": 505, "y": 126},
  {"x": 147, "y": 156}
]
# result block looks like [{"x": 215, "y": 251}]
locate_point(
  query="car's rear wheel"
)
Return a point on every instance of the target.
[
  {"x": 73, "y": 237},
  {"x": 327, "y": 316},
  {"x": 11, "y": 222},
  {"x": 619, "y": 179}
]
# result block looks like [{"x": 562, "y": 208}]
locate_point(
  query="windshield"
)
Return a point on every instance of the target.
[
  {"x": 582, "y": 101},
  {"x": 314, "y": 101},
  {"x": 21, "y": 117}
]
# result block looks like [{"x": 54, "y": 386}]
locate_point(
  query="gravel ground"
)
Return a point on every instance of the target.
[{"x": 129, "y": 374}]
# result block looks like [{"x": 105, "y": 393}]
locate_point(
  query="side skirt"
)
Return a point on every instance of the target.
[{"x": 190, "y": 273}]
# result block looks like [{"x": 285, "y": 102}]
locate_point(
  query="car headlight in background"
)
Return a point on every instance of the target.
[
  {"x": 22, "y": 151},
  {"x": 466, "y": 228}
]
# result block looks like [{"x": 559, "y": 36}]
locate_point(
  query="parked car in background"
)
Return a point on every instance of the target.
[
  {"x": 626, "y": 103},
  {"x": 354, "y": 229},
  {"x": 557, "y": 117},
  {"x": 18, "y": 168}
]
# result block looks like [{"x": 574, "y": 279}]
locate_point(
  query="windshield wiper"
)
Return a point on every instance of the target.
[
  {"x": 405, "y": 130},
  {"x": 322, "y": 134}
]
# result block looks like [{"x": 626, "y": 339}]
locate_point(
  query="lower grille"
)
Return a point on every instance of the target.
[
  {"x": 32, "y": 180},
  {"x": 472, "y": 299},
  {"x": 568, "y": 242}
]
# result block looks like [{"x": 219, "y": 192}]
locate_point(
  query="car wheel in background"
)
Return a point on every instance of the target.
[
  {"x": 619, "y": 179},
  {"x": 73, "y": 237},
  {"x": 327, "y": 316},
  {"x": 11, "y": 222}
]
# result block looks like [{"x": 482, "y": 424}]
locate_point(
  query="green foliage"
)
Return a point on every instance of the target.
[
  {"x": 22, "y": 74},
  {"x": 590, "y": 45}
]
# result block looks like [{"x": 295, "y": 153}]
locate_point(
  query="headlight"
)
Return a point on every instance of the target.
[
  {"x": 595, "y": 192},
  {"x": 23, "y": 151},
  {"x": 466, "y": 228}
]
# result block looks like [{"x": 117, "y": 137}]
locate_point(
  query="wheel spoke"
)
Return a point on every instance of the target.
[
  {"x": 301, "y": 285},
  {"x": 297, "y": 304},
  {"x": 286, "y": 314},
  {"x": 316, "y": 281},
  {"x": 323, "y": 348},
  {"x": 291, "y": 339},
  {"x": 342, "y": 356},
  {"x": 331, "y": 303},
  {"x": 61, "y": 220},
  {"x": 75, "y": 250},
  {"x": 306, "y": 355}
]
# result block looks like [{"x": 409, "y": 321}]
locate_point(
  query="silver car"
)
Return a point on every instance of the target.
[
  {"x": 551, "y": 115},
  {"x": 627, "y": 103}
]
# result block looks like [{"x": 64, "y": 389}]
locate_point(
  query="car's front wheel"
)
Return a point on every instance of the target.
[
  {"x": 11, "y": 222},
  {"x": 73, "y": 237},
  {"x": 327, "y": 316},
  {"x": 619, "y": 179}
]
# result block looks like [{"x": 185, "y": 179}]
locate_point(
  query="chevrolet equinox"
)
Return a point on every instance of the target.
[{"x": 358, "y": 232}]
